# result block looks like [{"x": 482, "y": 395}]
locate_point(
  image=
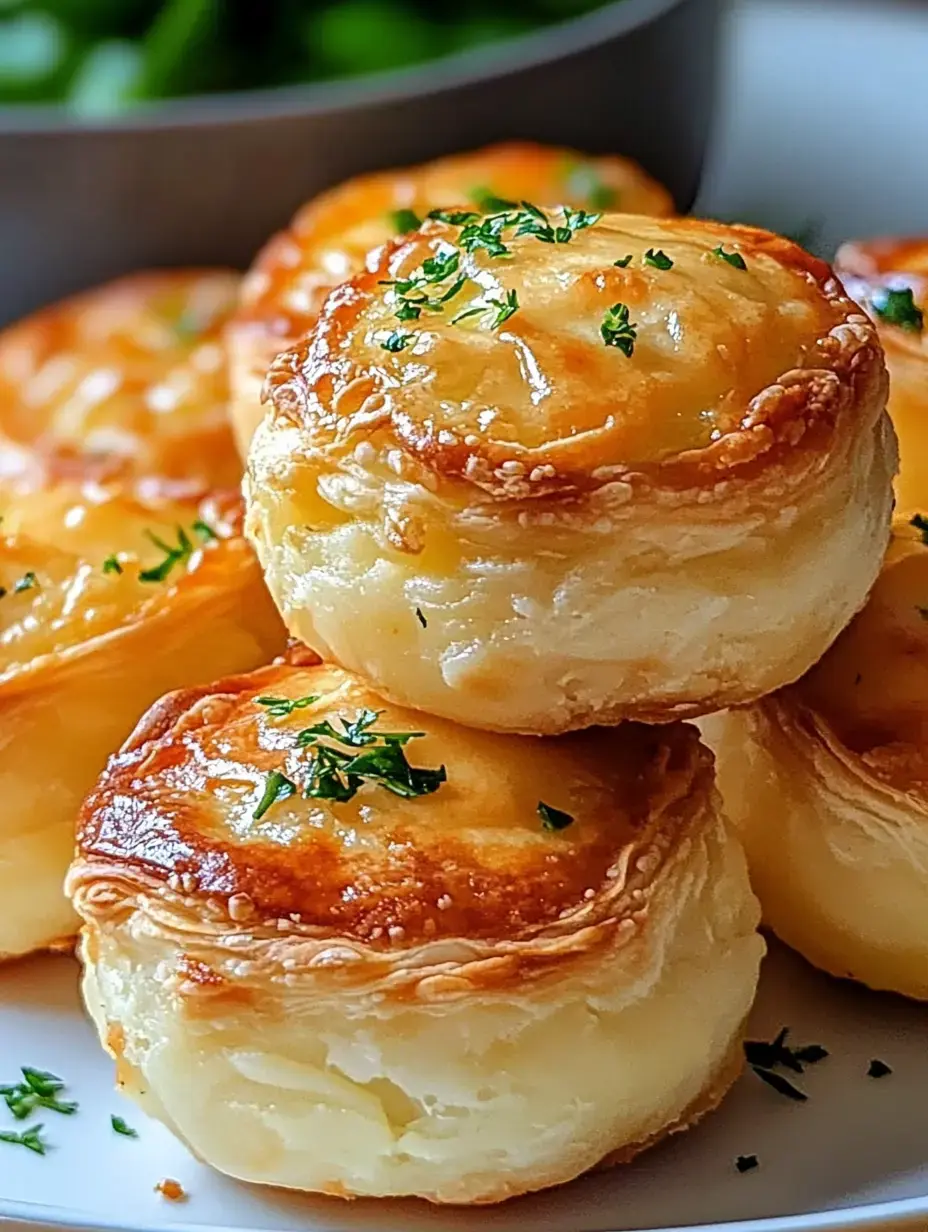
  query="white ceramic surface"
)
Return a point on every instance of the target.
[{"x": 825, "y": 121}]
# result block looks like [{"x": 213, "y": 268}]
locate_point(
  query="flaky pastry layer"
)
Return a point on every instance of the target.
[
  {"x": 522, "y": 525},
  {"x": 374, "y": 995},
  {"x": 129, "y": 377},
  {"x": 331, "y": 236},
  {"x": 827, "y": 782},
  {"x": 88, "y": 642}
]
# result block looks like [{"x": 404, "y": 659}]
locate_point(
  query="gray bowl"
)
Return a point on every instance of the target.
[{"x": 206, "y": 180}]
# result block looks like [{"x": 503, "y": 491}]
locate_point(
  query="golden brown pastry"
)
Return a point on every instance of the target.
[
  {"x": 129, "y": 377},
  {"x": 827, "y": 782},
  {"x": 533, "y": 472},
  {"x": 344, "y": 947},
  {"x": 890, "y": 279},
  {"x": 109, "y": 596},
  {"x": 330, "y": 237}
]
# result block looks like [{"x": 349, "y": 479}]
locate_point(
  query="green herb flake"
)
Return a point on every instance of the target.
[
  {"x": 173, "y": 555},
  {"x": 337, "y": 773},
  {"x": 404, "y": 220},
  {"x": 3, "y": 592},
  {"x": 280, "y": 707},
  {"x": 397, "y": 341},
  {"x": 658, "y": 258},
  {"x": 878, "y": 1069},
  {"x": 780, "y": 1084},
  {"x": 923, "y": 612},
  {"x": 583, "y": 180},
  {"x": 920, "y": 522},
  {"x": 421, "y": 619},
  {"x": 26, "y": 582},
  {"x": 734, "y": 259},
  {"x": 504, "y": 309},
  {"x": 31, "y": 1139},
  {"x": 38, "y": 1089},
  {"x": 624, "y": 262},
  {"x": 768, "y": 1054},
  {"x": 489, "y": 202},
  {"x": 746, "y": 1163},
  {"x": 552, "y": 818},
  {"x": 204, "y": 530},
  {"x": 112, "y": 565},
  {"x": 618, "y": 331},
  {"x": 898, "y": 307},
  {"x": 120, "y": 1127},
  {"x": 276, "y": 787}
]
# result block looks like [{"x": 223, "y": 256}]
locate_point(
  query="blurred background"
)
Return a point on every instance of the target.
[{"x": 148, "y": 132}]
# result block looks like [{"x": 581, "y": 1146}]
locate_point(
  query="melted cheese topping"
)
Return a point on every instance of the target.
[
  {"x": 473, "y": 858},
  {"x": 871, "y": 688},
  {"x": 707, "y": 338},
  {"x": 331, "y": 237},
  {"x": 132, "y": 372},
  {"x": 56, "y": 541}
]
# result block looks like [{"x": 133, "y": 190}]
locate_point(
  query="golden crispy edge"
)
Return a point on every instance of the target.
[
  {"x": 786, "y": 429},
  {"x": 110, "y": 888},
  {"x": 898, "y": 771}
]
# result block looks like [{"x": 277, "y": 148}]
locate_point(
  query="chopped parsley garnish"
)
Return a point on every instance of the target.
[
  {"x": 405, "y": 220},
  {"x": 583, "y": 180},
  {"x": 487, "y": 201},
  {"x": 412, "y": 295},
  {"x": 658, "y": 258},
  {"x": 764, "y": 1054},
  {"x": 37, "y": 1090},
  {"x": 552, "y": 818},
  {"x": 898, "y": 307},
  {"x": 745, "y": 1163},
  {"x": 878, "y": 1069},
  {"x": 276, "y": 787},
  {"x": 421, "y": 619},
  {"x": 30, "y": 1138},
  {"x": 26, "y": 582},
  {"x": 397, "y": 341},
  {"x": 204, "y": 530},
  {"x": 280, "y": 707},
  {"x": 920, "y": 522},
  {"x": 120, "y": 1127},
  {"x": 618, "y": 331},
  {"x": 923, "y": 612},
  {"x": 779, "y": 1083},
  {"x": 3, "y": 591},
  {"x": 733, "y": 258},
  {"x": 624, "y": 262},
  {"x": 487, "y": 231},
  {"x": 174, "y": 554},
  {"x": 335, "y": 773},
  {"x": 112, "y": 565}
]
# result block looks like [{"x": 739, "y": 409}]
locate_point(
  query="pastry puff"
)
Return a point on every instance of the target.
[
  {"x": 330, "y": 237},
  {"x": 97, "y": 620},
  {"x": 827, "y": 782},
  {"x": 130, "y": 377},
  {"x": 625, "y": 468},
  {"x": 890, "y": 279},
  {"x": 522, "y": 959}
]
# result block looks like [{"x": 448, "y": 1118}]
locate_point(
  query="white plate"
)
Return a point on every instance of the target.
[
  {"x": 825, "y": 121},
  {"x": 858, "y": 1141}
]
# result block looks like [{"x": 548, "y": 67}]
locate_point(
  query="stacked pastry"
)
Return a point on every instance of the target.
[
  {"x": 827, "y": 779},
  {"x": 424, "y": 909},
  {"x": 123, "y": 570}
]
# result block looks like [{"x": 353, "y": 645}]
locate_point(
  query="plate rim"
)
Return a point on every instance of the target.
[{"x": 874, "y": 1215}]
